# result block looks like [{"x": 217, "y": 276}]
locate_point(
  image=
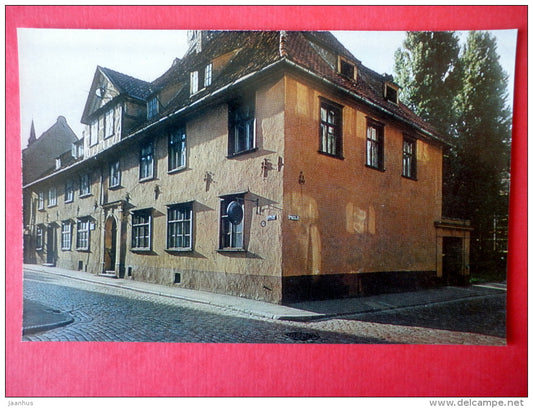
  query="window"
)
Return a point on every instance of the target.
[
  {"x": 109, "y": 123},
  {"x": 232, "y": 222},
  {"x": 69, "y": 191},
  {"x": 391, "y": 93},
  {"x": 347, "y": 68},
  {"x": 101, "y": 126},
  {"x": 179, "y": 227},
  {"x": 39, "y": 238},
  {"x": 153, "y": 107},
  {"x": 194, "y": 82},
  {"x": 66, "y": 235},
  {"x": 82, "y": 234},
  {"x": 85, "y": 185},
  {"x": 58, "y": 163},
  {"x": 177, "y": 149},
  {"x": 146, "y": 168},
  {"x": 241, "y": 127},
  {"x": 52, "y": 197},
  {"x": 141, "y": 230},
  {"x": 208, "y": 75},
  {"x": 374, "y": 145},
  {"x": 93, "y": 133},
  {"x": 409, "y": 158},
  {"x": 40, "y": 200},
  {"x": 114, "y": 174},
  {"x": 330, "y": 129}
]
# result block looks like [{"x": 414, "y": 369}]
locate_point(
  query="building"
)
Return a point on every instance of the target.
[
  {"x": 40, "y": 158},
  {"x": 270, "y": 165}
]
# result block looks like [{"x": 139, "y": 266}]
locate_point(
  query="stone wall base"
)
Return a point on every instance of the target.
[
  {"x": 320, "y": 287},
  {"x": 257, "y": 287}
]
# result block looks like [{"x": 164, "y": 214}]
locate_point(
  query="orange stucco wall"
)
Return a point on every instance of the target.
[{"x": 353, "y": 218}]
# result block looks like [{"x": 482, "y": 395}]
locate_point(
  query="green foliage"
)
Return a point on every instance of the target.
[{"x": 462, "y": 92}]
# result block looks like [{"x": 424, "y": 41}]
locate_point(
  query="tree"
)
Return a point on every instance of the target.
[
  {"x": 463, "y": 94},
  {"x": 480, "y": 160},
  {"x": 426, "y": 69}
]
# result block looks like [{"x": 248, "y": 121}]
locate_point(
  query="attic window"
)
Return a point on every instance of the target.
[
  {"x": 391, "y": 93},
  {"x": 152, "y": 108},
  {"x": 347, "y": 68},
  {"x": 201, "y": 79}
]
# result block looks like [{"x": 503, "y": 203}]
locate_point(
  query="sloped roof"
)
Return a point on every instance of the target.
[
  {"x": 39, "y": 157},
  {"x": 129, "y": 85},
  {"x": 255, "y": 50}
]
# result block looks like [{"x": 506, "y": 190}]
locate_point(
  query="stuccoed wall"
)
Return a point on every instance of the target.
[{"x": 354, "y": 219}]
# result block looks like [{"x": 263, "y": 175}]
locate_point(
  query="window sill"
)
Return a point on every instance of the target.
[
  {"x": 141, "y": 250},
  {"x": 117, "y": 187},
  {"x": 82, "y": 249},
  {"x": 409, "y": 178},
  {"x": 375, "y": 168},
  {"x": 177, "y": 170},
  {"x": 69, "y": 201},
  {"x": 42, "y": 209},
  {"x": 335, "y": 156},
  {"x": 143, "y": 180},
  {"x": 179, "y": 250},
  {"x": 85, "y": 195},
  {"x": 237, "y": 250},
  {"x": 66, "y": 249},
  {"x": 52, "y": 206},
  {"x": 232, "y": 155}
]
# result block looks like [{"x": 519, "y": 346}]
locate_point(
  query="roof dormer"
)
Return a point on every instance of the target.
[
  {"x": 390, "y": 92},
  {"x": 346, "y": 68}
]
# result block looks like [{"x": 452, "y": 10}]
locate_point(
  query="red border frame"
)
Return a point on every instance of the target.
[{"x": 147, "y": 369}]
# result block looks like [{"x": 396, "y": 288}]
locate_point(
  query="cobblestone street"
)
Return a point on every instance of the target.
[{"x": 103, "y": 313}]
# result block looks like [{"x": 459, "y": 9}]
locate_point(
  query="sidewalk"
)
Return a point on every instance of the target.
[{"x": 302, "y": 311}]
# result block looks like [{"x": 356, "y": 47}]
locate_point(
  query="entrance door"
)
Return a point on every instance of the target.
[
  {"x": 50, "y": 246},
  {"x": 110, "y": 244},
  {"x": 452, "y": 263}
]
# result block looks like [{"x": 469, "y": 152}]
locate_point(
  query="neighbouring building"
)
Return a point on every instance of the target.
[
  {"x": 40, "y": 158},
  {"x": 270, "y": 165}
]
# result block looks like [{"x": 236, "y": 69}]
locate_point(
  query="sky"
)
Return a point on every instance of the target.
[{"x": 56, "y": 66}]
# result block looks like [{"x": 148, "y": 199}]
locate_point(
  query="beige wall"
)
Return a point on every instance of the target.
[{"x": 353, "y": 218}]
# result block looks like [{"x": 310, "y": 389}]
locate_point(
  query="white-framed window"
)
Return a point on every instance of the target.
[
  {"x": 66, "y": 235},
  {"x": 330, "y": 128},
  {"x": 39, "y": 238},
  {"x": 69, "y": 191},
  {"x": 114, "y": 174},
  {"x": 232, "y": 222},
  {"x": 179, "y": 227},
  {"x": 241, "y": 126},
  {"x": 40, "y": 200},
  {"x": 194, "y": 82},
  {"x": 375, "y": 150},
  {"x": 409, "y": 158},
  {"x": 109, "y": 123},
  {"x": 93, "y": 133},
  {"x": 152, "y": 107},
  {"x": 177, "y": 149},
  {"x": 141, "y": 230},
  {"x": 52, "y": 197},
  {"x": 208, "y": 75},
  {"x": 85, "y": 185},
  {"x": 83, "y": 234},
  {"x": 146, "y": 166}
]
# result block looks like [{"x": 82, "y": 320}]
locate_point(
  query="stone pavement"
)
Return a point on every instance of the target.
[{"x": 39, "y": 317}]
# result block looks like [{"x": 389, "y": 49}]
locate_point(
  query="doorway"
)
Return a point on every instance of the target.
[
  {"x": 452, "y": 263},
  {"x": 51, "y": 246},
  {"x": 110, "y": 244}
]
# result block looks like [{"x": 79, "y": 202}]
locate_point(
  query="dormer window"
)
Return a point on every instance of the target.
[
  {"x": 152, "y": 107},
  {"x": 194, "y": 82},
  {"x": 208, "y": 75},
  {"x": 58, "y": 163},
  {"x": 347, "y": 68},
  {"x": 391, "y": 93}
]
